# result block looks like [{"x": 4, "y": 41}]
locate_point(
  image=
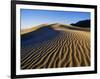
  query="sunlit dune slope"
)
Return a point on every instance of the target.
[
  {"x": 54, "y": 46},
  {"x": 24, "y": 31}
]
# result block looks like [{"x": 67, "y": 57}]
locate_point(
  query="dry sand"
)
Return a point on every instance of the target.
[{"x": 70, "y": 48}]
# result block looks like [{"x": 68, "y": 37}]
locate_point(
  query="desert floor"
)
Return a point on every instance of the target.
[{"x": 55, "y": 46}]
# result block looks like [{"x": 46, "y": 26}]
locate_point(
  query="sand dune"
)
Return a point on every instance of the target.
[
  {"x": 55, "y": 46},
  {"x": 24, "y": 31}
]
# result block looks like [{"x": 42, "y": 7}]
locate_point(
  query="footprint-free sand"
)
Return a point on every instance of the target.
[{"x": 55, "y": 46}]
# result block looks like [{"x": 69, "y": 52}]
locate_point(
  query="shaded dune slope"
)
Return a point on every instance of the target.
[{"x": 55, "y": 46}]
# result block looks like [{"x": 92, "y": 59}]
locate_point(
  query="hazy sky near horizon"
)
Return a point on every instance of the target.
[{"x": 32, "y": 17}]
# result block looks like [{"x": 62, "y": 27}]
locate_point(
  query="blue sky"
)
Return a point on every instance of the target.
[{"x": 32, "y": 17}]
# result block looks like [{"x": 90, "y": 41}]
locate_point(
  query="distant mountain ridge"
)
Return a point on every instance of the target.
[{"x": 84, "y": 24}]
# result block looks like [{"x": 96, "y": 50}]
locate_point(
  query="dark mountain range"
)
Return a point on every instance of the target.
[{"x": 84, "y": 23}]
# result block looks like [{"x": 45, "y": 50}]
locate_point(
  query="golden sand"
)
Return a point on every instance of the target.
[{"x": 71, "y": 48}]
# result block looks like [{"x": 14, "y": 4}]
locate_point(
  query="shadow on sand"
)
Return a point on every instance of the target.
[{"x": 40, "y": 35}]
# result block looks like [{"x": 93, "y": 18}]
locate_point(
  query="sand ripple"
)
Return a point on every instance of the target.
[{"x": 70, "y": 48}]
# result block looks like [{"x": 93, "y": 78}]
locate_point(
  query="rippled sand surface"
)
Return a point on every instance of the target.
[{"x": 55, "y": 46}]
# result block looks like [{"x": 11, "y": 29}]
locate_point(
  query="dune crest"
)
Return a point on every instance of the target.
[{"x": 28, "y": 30}]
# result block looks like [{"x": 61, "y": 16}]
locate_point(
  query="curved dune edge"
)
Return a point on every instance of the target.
[
  {"x": 71, "y": 48},
  {"x": 28, "y": 30}
]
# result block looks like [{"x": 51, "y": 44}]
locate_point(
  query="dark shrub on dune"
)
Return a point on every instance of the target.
[{"x": 84, "y": 23}]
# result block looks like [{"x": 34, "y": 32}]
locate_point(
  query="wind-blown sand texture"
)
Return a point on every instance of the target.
[{"x": 55, "y": 46}]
